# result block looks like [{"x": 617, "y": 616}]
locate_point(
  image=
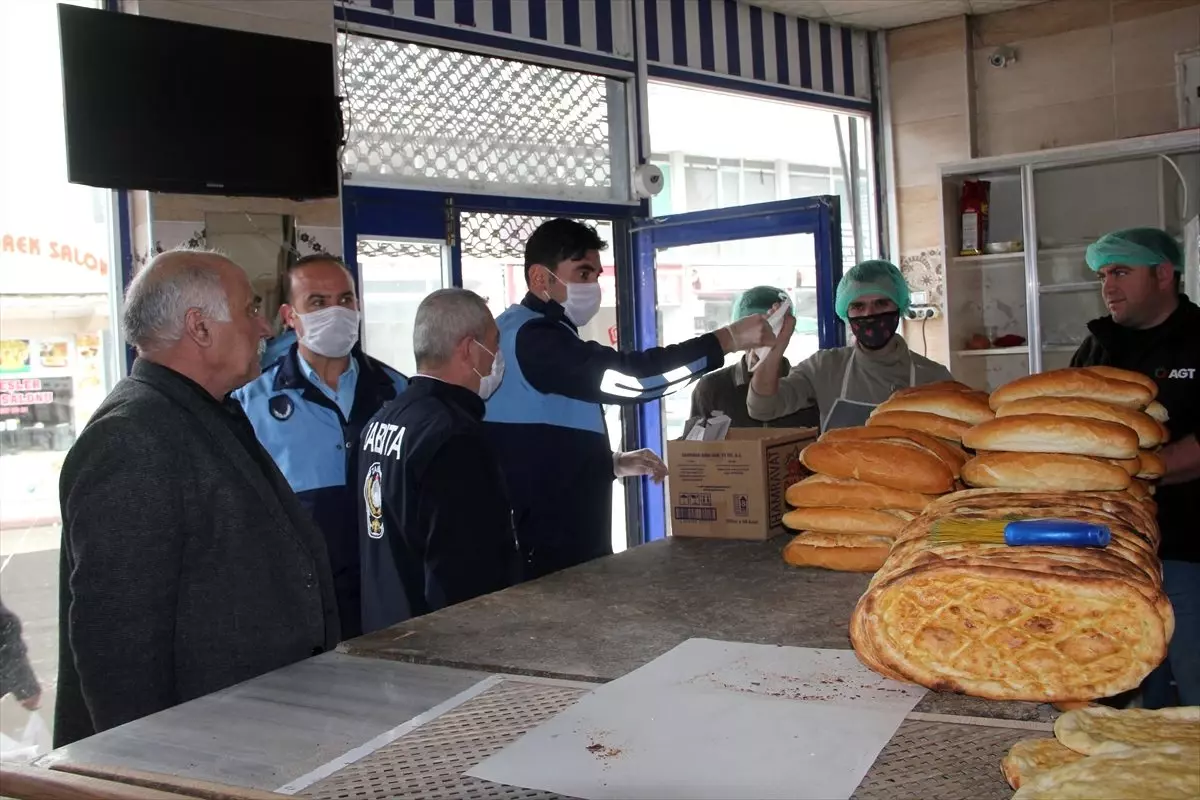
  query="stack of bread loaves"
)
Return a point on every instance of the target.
[
  {"x": 1070, "y": 430},
  {"x": 946, "y": 410},
  {"x": 868, "y": 482},
  {"x": 1053, "y": 624}
]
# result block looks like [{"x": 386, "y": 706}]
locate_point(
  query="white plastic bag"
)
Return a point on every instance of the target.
[{"x": 35, "y": 741}]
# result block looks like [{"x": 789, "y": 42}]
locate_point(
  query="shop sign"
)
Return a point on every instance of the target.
[
  {"x": 34, "y": 400},
  {"x": 56, "y": 251}
]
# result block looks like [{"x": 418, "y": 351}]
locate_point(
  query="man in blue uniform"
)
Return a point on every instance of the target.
[
  {"x": 1154, "y": 329},
  {"x": 310, "y": 406},
  {"x": 546, "y": 419},
  {"x": 436, "y": 520}
]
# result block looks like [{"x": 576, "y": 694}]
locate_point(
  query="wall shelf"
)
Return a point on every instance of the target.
[{"x": 1063, "y": 288}]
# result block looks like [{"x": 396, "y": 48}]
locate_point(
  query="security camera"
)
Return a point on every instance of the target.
[
  {"x": 1002, "y": 56},
  {"x": 647, "y": 181}
]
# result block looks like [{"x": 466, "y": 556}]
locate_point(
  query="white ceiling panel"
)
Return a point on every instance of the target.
[{"x": 887, "y": 13}]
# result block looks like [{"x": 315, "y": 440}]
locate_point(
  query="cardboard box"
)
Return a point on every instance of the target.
[{"x": 734, "y": 489}]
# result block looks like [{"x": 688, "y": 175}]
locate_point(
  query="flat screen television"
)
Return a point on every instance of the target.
[{"x": 174, "y": 107}]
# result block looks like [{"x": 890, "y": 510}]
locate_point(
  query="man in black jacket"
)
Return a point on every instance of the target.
[
  {"x": 547, "y": 420},
  {"x": 1155, "y": 330},
  {"x": 187, "y": 564},
  {"x": 435, "y": 517}
]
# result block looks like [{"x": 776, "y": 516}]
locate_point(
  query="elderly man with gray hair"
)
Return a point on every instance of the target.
[
  {"x": 435, "y": 516},
  {"x": 187, "y": 563}
]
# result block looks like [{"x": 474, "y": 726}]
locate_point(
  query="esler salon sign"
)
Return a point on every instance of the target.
[
  {"x": 54, "y": 250},
  {"x": 17, "y": 395}
]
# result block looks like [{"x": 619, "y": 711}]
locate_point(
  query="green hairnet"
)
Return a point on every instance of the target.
[
  {"x": 1134, "y": 247},
  {"x": 871, "y": 277},
  {"x": 756, "y": 301}
]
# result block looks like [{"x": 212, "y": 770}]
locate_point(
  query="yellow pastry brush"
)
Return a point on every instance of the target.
[{"x": 1019, "y": 532}]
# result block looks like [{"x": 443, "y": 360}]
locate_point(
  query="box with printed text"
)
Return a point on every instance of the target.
[{"x": 734, "y": 489}]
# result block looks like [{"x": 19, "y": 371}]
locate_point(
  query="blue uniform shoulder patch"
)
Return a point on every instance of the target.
[{"x": 281, "y": 407}]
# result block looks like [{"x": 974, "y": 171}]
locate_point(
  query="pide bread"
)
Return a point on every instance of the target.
[
  {"x": 1158, "y": 411},
  {"x": 953, "y": 455},
  {"x": 838, "y": 519},
  {"x": 1099, "y": 730},
  {"x": 1143, "y": 774},
  {"x": 1148, "y": 429},
  {"x": 822, "y": 490},
  {"x": 890, "y": 464},
  {"x": 1117, "y": 374},
  {"x": 1030, "y": 756},
  {"x": 932, "y": 424},
  {"x": 1073, "y": 383},
  {"x": 1050, "y": 433},
  {"x": 1054, "y": 472},
  {"x": 1151, "y": 466},
  {"x": 837, "y": 551},
  {"x": 963, "y": 406}
]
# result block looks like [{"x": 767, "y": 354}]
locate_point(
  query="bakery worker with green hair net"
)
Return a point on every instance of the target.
[
  {"x": 1153, "y": 329},
  {"x": 846, "y": 383},
  {"x": 725, "y": 389}
]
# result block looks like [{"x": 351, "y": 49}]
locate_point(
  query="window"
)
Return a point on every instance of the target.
[{"x": 60, "y": 352}]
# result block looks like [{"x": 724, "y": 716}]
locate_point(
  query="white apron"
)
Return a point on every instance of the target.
[{"x": 846, "y": 413}]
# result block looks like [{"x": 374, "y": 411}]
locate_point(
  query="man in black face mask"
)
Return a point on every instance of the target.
[{"x": 846, "y": 383}]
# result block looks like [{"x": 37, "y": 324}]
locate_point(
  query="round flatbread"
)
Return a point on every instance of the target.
[
  {"x": 1140, "y": 774},
  {"x": 1030, "y": 756},
  {"x": 1099, "y": 729}
]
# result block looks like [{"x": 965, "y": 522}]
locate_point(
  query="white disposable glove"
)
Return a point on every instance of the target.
[
  {"x": 752, "y": 331},
  {"x": 639, "y": 462}
]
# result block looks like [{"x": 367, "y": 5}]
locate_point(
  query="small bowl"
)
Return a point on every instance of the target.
[{"x": 1004, "y": 247}]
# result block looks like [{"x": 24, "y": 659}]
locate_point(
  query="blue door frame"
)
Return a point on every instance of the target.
[
  {"x": 434, "y": 215},
  {"x": 819, "y": 216}
]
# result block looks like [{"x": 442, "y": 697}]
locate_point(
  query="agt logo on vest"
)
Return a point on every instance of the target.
[
  {"x": 281, "y": 407},
  {"x": 373, "y": 495},
  {"x": 1163, "y": 372}
]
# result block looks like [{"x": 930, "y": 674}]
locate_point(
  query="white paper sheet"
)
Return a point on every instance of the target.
[{"x": 717, "y": 720}]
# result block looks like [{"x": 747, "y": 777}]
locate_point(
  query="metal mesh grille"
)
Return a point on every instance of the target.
[
  {"x": 382, "y": 248},
  {"x": 423, "y": 115},
  {"x": 926, "y": 759},
  {"x": 503, "y": 236}
]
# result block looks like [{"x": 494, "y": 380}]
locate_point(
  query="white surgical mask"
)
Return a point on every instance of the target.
[
  {"x": 331, "y": 332},
  {"x": 583, "y": 300},
  {"x": 488, "y": 384}
]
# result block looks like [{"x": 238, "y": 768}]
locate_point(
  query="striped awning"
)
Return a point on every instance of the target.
[{"x": 721, "y": 43}]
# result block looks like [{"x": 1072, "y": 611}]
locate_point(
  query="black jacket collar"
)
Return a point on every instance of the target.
[
  {"x": 452, "y": 394},
  {"x": 550, "y": 308},
  {"x": 1112, "y": 336}
]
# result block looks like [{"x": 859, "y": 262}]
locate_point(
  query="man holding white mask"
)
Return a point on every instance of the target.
[
  {"x": 547, "y": 418},
  {"x": 309, "y": 408}
]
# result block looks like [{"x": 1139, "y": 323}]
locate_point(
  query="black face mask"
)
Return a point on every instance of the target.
[{"x": 876, "y": 330}]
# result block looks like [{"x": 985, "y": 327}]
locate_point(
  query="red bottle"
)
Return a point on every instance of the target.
[{"x": 973, "y": 216}]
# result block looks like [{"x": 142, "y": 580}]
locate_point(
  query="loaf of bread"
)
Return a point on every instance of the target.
[
  {"x": 951, "y": 454},
  {"x": 1128, "y": 375},
  {"x": 1073, "y": 383},
  {"x": 1049, "y": 433},
  {"x": 1158, "y": 411},
  {"x": 1148, "y": 429},
  {"x": 1054, "y": 472},
  {"x": 932, "y": 424},
  {"x": 890, "y": 464},
  {"x": 1131, "y": 465},
  {"x": 970, "y": 407},
  {"x": 1151, "y": 467},
  {"x": 837, "y": 551},
  {"x": 938, "y": 386},
  {"x": 822, "y": 490},
  {"x": 1047, "y": 624},
  {"x": 840, "y": 519},
  {"x": 1140, "y": 490}
]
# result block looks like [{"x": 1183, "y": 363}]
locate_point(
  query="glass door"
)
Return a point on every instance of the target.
[
  {"x": 690, "y": 269},
  {"x": 394, "y": 275}
]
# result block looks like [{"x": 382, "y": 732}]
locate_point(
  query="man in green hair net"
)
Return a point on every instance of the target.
[
  {"x": 1155, "y": 330},
  {"x": 846, "y": 383},
  {"x": 725, "y": 390}
]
